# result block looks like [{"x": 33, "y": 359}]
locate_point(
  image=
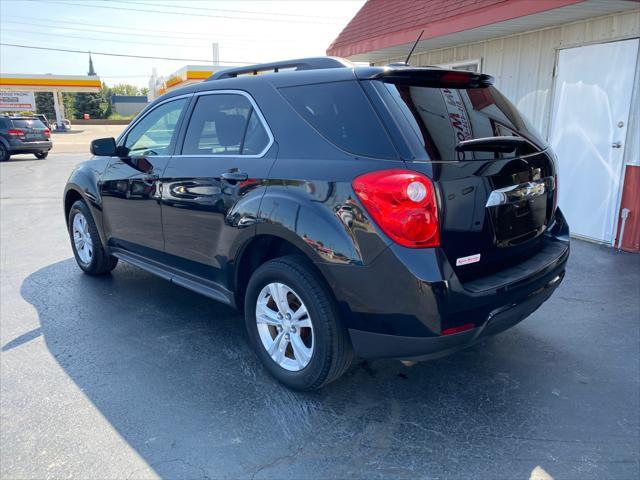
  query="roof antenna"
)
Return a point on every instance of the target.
[{"x": 413, "y": 48}]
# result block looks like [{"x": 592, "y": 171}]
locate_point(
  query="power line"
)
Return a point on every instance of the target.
[
  {"x": 107, "y": 39},
  {"x": 221, "y": 9},
  {"x": 110, "y": 54},
  {"x": 111, "y": 7},
  {"x": 128, "y": 32},
  {"x": 138, "y": 34},
  {"x": 127, "y": 29}
]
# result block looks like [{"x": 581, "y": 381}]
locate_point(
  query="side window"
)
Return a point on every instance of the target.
[
  {"x": 224, "y": 124},
  {"x": 153, "y": 134},
  {"x": 3, "y": 124},
  {"x": 342, "y": 114}
]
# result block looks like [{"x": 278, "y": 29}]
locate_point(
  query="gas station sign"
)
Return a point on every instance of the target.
[{"x": 17, "y": 101}]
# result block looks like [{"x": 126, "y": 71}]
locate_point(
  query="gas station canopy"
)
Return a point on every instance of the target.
[
  {"x": 57, "y": 84},
  {"x": 49, "y": 83}
]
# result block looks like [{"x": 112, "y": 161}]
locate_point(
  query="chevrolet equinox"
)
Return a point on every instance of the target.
[{"x": 373, "y": 212}]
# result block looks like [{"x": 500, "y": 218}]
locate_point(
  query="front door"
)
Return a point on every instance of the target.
[
  {"x": 590, "y": 116},
  {"x": 212, "y": 189},
  {"x": 130, "y": 185}
]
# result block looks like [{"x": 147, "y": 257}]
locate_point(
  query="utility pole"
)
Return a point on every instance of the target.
[{"x": 216, "y": 54}]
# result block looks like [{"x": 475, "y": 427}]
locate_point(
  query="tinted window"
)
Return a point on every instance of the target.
[
  {"x": 3, "y": 123},
  {"x": 27, "y": 123},
  {"x": 153, "y": 134},
  {"x": 342, "y": 113},
  {"x": 224, "y": 124},
  {"x": 443, "y": 117}
]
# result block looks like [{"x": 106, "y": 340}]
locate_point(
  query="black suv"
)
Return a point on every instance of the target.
[
  {"x": 376, "y": 212},
  {"x": 23, "y": 135}
]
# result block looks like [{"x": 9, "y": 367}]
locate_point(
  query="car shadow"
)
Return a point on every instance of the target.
[{"x": 174, "y": 375}]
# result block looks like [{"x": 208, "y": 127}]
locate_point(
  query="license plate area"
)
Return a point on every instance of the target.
[{"x": 520, "y": 212}]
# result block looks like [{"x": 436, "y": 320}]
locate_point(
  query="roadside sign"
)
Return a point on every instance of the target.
[{"x": 17, "y": 101}]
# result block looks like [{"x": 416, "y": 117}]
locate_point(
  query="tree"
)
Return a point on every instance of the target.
[
  {"x": 44, "y": 105},
  {"x": 69, "y": 101},
  {"x": 126, "y": 89},
  {"x": 91, "y": 103}
]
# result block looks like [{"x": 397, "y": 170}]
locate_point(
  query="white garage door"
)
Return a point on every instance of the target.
[{"x": 590, "y": 116}]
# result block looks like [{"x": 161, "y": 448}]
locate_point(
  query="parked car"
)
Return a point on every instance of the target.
[
  {"x": 43, "y": 118},
  {"x": 23, "y": 135},
  {"x": 377, "y": 212}
]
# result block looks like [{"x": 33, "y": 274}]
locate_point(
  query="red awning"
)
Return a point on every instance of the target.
[{"x": 386, "y": 23}]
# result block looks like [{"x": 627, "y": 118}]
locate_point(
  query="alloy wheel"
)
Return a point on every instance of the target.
[
  {"x": 82, "y": 238},
  {"x": 284, "y": 326}
]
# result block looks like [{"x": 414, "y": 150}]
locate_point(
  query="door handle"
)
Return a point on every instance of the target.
[
  {"x": 616, "y": 145},
  {"x": 234, "y": 176}
]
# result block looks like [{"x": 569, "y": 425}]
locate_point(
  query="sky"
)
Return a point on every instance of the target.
[{"x": 246, "y": 32}]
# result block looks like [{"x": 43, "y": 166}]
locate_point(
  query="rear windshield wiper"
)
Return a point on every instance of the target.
[{"x": 492, "y": 144}]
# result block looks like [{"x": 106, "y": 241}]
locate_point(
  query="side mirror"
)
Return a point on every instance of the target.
[{"x": 104, "y": 147}]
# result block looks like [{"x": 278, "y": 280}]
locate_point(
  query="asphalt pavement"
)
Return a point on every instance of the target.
[{"x": 128, "y": 376}]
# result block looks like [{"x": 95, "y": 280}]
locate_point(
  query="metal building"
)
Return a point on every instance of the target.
[{"x": 570, "y": 65}]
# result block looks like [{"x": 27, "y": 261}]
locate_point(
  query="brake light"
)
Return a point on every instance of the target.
[
  {"x": 16, "y": 132},
  {"x": 47, "y": 132},
  {"x": 457, "y": 78},
  {"x": 403, "y": 205}
]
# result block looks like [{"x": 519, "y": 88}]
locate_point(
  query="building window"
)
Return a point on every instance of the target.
[{"x": 466, "y": 65}]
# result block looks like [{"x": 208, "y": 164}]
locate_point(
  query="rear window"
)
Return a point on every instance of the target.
[
  {"x": 27, "y": 123},
  {"x": 443, "y": 117},
  {"x": 342, "y": 113}
]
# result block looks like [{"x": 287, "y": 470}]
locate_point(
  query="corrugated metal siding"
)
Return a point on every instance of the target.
[{"x": 523, "y": 64}]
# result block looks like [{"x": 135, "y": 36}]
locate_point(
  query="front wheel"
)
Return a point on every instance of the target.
[
  {"x": 42, "y": 155},
  {"x": 90, "y": 255},
  {"x": 294, "y": 326}
]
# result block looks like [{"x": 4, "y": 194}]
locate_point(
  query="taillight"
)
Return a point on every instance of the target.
[
  {"x": 403, "y": 205},
  {"x": 47, "y": 132},
  {"x": 16, "y": 132}
]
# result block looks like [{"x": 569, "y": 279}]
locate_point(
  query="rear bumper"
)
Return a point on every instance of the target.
[
  {"x": 378, "y": 345},
  {"x": 30, "y": 147},
  {"x": 399, "y": 305}
]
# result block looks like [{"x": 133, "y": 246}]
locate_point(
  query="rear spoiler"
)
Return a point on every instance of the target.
[{"x": 432, "y": 77}]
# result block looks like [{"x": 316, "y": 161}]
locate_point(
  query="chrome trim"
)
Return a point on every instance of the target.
[
  {"x": 516, "y": 193},
  {"x": 144, "y": 113},
  {"x": 263, "y": 121}
]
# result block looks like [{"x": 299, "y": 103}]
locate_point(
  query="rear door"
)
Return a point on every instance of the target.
[
  {"x": 494, "y": 206},
  {"x": 223, "y": 163}
]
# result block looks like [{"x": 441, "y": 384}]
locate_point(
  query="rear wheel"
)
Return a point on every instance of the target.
[
  {"x": 90, "y": 255},
  {"x": 4, "y": 153},
  {"x": 41, "y": 155},
  {"x": 293, "y": 324}
]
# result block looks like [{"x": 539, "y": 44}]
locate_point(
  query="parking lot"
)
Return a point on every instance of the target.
[{"x": 130, "y": 376}]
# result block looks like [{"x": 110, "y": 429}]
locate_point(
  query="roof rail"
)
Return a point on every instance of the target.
[{"x": 311, "y": 63}]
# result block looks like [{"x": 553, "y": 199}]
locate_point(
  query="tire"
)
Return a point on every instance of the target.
[
  {"x": 327, "y": 338},
  {"x": 42, "y": 155},
  {"x": 98, "y": 262},
  {"x": 4, "y": 153}
]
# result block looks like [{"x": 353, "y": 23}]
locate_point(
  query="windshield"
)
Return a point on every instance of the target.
[{"x": 441, "y": 118}]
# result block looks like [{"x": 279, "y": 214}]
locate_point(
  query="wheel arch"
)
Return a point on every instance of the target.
[
  {"x": 260, "y": 249},
  {"x": 71, "y": 196}
]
